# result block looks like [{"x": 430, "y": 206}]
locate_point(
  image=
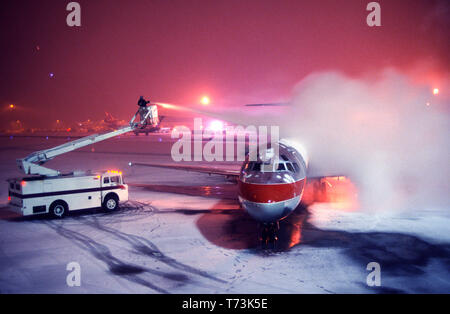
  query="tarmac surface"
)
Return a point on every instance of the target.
[{"x": 184, "y": 232}]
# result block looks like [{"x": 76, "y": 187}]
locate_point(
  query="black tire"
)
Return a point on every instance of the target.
[
  {"x": 111, "y": 202},
  {"x": 58, "y": 209}
]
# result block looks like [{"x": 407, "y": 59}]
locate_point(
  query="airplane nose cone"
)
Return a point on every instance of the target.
[
  {"x": 269, "y": 212},
  {"x": 270, "y": 202}
]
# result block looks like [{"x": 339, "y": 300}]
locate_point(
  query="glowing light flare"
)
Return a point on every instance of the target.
[
  {"x": 336, "y": 192},
  {"x": 216, "y": 126},
  {"x": 205, "y": 101},
  {"x": 11, "y": 106},
  {"x": 435, "y": 91}
]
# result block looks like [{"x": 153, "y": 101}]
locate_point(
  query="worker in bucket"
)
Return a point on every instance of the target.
[{"x": 142, "y": 103}]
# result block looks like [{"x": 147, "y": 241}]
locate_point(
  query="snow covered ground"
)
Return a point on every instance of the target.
[{"x": 184, "y": 233}]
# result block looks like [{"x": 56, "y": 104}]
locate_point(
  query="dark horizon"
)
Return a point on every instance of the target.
[{"x": 235, "y": 52}]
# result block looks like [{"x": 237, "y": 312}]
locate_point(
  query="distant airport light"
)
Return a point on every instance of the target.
[
  {"x": 435, "y": 91},
  {"x": 216, "y": 126},
  {"x": 205, "y": 101},
  {"x": 11, "y": 106}
]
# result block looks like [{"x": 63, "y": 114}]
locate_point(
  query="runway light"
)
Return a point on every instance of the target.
[
  {"x": 435, "y": 91},
  {"x": 205, "y": 101},
  {"x": 11, "y": 106},
  {"x": 216, "y": 126},
  {"x": 130, "y": 164}
]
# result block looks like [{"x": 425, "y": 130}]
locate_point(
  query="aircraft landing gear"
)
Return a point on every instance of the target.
[{"x": 268, "y": 235}]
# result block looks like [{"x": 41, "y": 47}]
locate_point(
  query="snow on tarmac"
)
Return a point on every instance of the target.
[{"x": 184, "y": 233}]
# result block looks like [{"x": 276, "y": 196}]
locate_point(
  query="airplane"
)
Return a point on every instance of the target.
[{"x": 269, "y": 189}]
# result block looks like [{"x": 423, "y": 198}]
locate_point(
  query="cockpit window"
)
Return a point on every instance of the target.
[
  {"x": 290, "y": 167},
  {"x": 284, "y": 158},
  {"x": 256, "y": 166}
]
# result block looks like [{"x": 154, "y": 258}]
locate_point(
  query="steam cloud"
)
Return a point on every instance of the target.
[
  {"x": 380, "y": 132},
  {"x": 389, "y": 134}
]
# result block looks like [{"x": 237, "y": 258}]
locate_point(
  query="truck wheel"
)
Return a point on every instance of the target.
[
  {"x": 111, "y": 202},
  {"x": 58, "y": 209}
]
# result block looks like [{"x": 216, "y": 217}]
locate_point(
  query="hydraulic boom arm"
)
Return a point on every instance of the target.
[{"x": 32, "y": 164}]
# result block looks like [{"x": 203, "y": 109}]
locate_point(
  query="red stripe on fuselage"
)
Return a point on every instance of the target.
[{"x": 270, "y": 193}]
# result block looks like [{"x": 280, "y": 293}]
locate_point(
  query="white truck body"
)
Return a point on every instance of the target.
[
  {"x": 46, "y": 190},
  {"x": 36, "y": 194}
]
